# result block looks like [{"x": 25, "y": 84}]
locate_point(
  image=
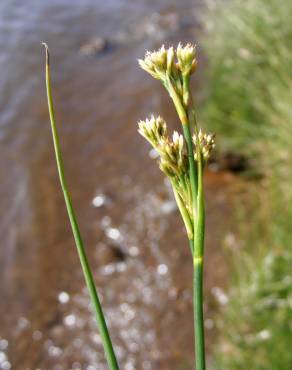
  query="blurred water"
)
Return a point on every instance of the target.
[{"x": 131, "y": 228}]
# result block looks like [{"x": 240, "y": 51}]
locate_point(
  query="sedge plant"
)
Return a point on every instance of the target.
[
  {"x": 101, "y": 323},
  {"x": 182, "y": 159}
]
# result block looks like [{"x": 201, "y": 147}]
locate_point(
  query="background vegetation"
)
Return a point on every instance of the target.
[{"x": 248, "y": 103}]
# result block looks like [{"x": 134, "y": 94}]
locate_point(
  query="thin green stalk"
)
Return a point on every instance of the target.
[
  {"x": 187, "y": 98},
  {"x": 198, "y": 272},
  {"x": 191, "y": 244},
  {"x": 176, "y": 101},
  {"x": 188, "y": 136},
  {"x": 199, "y": 232},
  {"x": 198, "y": 314},
  {"x": 196, "y": 180},
  {"x": 186, "y": 90},
  {"x": 101, "y": 323},
  {"x": 184, "y": 213},
  {"x": 193, "y": 170}
]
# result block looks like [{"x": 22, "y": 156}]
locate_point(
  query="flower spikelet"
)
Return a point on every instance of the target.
[
  {"x": 206, "y": 143},
  {"x": 186, "y": 59},
  {"x": 155, "y": 63},
  {"x": 173, "y": 156},
  {"x": 153, "y": 129}
]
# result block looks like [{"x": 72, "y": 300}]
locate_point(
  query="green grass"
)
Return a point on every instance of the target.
[
  {"x": 249, "y": 49},
  {"x": 249, "y": 104},
  {"x": 256, "y": 325}
]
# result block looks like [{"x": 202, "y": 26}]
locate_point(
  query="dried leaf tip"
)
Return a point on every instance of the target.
[{"x": 47, "y": 52}]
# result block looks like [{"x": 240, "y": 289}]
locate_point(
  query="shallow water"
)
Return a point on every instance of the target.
[{"x": 133, "y": 233}]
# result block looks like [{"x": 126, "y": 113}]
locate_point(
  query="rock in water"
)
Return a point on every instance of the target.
[{"x": 94, "y": 46}]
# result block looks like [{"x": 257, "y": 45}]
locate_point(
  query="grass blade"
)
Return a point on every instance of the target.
[{"x": 101, "y": 323}]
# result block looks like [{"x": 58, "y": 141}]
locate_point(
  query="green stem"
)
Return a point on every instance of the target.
[
  {"x": 182, "y": 113},
  {"x": 198, "y": 272},
  {"x": 198, "y": 314},
  {"x": 176, "y": 101},
  {"x": 191, "y": 244},
  {"x": 184, "y": 213},
  {"x": 199, "y": 233},
  {"x": 193, "y": 170},
  {"x": 107, "y": 344}
]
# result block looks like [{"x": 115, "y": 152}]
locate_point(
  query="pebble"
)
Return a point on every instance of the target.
[
  {"x": 162, "y": 269},
  {"x": 63, "y": 297},
  {"x": 94, "y": 46},
  {"x": 99, "y": 201},
  {"x": 108, "y": 253},
  {"x": 3, "y": 344}
]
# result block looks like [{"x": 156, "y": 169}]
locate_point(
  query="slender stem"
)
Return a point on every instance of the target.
[
  {"x": 193, "y": 170},
  {"x": 191, "y": 244},
  {"x": 199, "y": 232},
  {"x": 176, "y": 101},
  {"x": 107, "y": 344},
  {"x": 182, "y": 113},
  {"x": 198, "y": 271},
  {"x": 198, "y": 314},
  {"x": 184, "y": 213}
]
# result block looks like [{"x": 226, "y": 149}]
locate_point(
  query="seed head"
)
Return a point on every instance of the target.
[
  {"x": 186, "y": 59},
  {"x": 206, "y": 144},
  {"x": 153, "y": 129},
  {"x": 173, "y": 156},
  {"x": 155, "y": 63},
  {"x": 160, "y": 63}
]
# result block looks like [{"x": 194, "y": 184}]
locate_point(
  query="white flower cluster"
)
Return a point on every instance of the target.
[
  {"x": 173, "y": 157},
  {"x": 206, "y": 143},
  {"x": 173, "y": 154},
  {"x": 153, "y": 129},
  {"x": 170, "y": 62}
]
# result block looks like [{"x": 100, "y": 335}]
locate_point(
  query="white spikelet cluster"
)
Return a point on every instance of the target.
[
  {"x": 153, "y": 129},
  {"x": 170, "y": 62},
  {"x": 206, "y": 143},
  {"x": 173, "y": 158}
]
